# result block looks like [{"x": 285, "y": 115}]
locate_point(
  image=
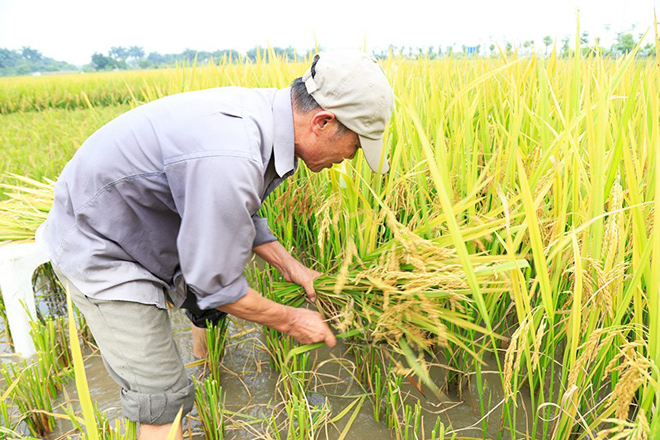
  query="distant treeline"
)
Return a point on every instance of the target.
[
  {"x": 28, "y": 61},
  {"x": 134, "y": 57}
]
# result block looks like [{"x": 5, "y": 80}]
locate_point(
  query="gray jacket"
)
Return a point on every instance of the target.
[{"x": 169, "y": 188}]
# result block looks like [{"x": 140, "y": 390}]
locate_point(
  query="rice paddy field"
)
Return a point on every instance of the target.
[{"x": 500, "y": 282}]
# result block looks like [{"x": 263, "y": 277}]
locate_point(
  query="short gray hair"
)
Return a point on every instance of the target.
[{"x": 303, "y": 102}]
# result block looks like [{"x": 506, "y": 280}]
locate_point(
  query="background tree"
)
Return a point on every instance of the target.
[
  {"x": 624, "y": 43},
  {"x": 157, "y": 59},
  {"x": 648, "y": 50},
  {"x": 565, "y": 48},
  {"x": 30, "y": 54},
  {"x": 118, "y": 54},
  {"x": 8, "y": 58},
  {"x": 134, "y": 54},
  {"x": 584, "y": 38},
  {"x": 101, "y": 62},
  {"x": 288, "y": 53},
  {"x": 547, "y": 41}
]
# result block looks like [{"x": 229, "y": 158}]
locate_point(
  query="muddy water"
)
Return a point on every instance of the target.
[{"x": 251, "y": 388}]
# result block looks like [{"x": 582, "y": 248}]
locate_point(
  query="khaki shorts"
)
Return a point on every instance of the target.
[{"x": 140, "y": 355}]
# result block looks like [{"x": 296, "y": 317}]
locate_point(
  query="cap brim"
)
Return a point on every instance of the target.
[{"x": 375, "y": 155}]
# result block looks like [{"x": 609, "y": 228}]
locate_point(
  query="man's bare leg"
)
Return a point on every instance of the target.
[
  {"x": 157, "y": 432},
  {"x": 200, "y": 350}
]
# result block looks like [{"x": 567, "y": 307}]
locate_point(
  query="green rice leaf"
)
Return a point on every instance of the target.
[{"x": 81, "y": 377}]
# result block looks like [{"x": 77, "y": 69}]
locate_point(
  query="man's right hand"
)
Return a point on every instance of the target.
[
  {"x": 308, "y": 327},
  {"x": 305, "y": 326}
]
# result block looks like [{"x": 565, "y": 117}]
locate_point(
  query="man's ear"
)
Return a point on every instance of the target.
[{"x": 321, "y": 121}]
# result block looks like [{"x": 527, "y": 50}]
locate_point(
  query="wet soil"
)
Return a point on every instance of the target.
[{"x": 251, "y": 388}]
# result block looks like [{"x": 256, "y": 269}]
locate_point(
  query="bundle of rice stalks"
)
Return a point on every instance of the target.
[
  {"x": 411, "y": 294},
  {"x": 26, "y": 208}
]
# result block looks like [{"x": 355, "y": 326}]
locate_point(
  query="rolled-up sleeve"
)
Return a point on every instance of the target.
[
  {"x": 263, "y": 234},
  {"x": 216, "y": 198}
]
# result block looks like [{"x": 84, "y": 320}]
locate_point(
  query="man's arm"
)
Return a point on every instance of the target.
[
  {"x": 305, "y": 326},
  {"x": 291, "y": 269}
]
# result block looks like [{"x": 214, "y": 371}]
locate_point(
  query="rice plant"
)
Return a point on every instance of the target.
[
  {"x": 52, "y": 346},
  {"x": 517, "y": 224},
  {"x": 117, "y": 430},
  {"x": 301, "y": 420},
  {"x": 216, "y": 340},
  {"x": 32, "y": 386},
  {"x": 32, "y": 395},
  {"x": 210, "y": 406}
]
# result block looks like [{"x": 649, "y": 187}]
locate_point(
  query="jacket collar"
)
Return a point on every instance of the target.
[{"x": 283, "y": 141}]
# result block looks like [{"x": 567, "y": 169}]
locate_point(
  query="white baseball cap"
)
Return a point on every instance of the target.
[{"x": 354, "y": 87}]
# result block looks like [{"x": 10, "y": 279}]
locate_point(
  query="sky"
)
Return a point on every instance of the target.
[{"x": 72, "y": 30}]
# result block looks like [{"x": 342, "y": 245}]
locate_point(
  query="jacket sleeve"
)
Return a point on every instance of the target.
[
  {"x": 263, "y": 234},
  {"x": 216, "y": 198}
]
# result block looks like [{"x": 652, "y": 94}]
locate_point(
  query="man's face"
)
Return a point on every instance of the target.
[{"x": 326, "y": 146}]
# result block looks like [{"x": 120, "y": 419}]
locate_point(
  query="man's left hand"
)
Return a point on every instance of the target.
[
  {"x": 304, "y": 277},
  {"x": 292, "y": 270}
]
